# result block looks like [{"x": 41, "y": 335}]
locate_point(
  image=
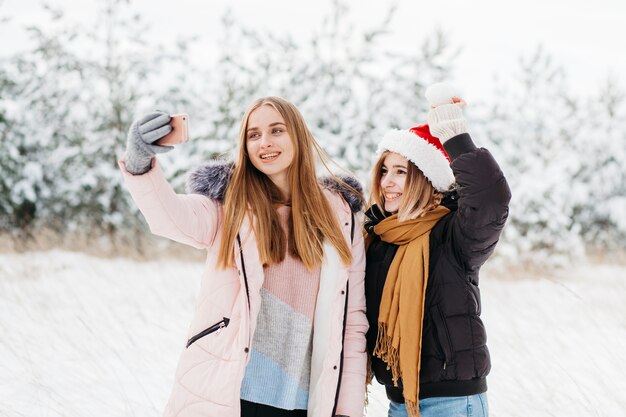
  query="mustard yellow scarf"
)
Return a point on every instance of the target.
[{"x": 399, "y": 341}]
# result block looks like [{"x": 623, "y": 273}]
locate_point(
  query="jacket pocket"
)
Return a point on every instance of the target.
[
  {"x": 216, "y": 328},
  {"x": 443, "y": 336}
]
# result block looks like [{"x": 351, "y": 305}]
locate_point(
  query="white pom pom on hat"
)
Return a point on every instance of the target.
[
  {"x": 424, "y": 150},
  {"x": 439, "y": 93}
]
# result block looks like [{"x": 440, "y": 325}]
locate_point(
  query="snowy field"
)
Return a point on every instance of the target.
[{"x": 90, "y": 337}]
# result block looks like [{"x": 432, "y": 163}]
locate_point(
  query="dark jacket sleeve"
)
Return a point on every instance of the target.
[{"x": 483, "y": 204}]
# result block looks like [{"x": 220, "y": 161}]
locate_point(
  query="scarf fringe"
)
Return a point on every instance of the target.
[
  {"x": 412, "y": 408},
  {"x": 385, "y": 351}
]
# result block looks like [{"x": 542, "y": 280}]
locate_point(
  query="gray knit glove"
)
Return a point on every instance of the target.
[
  {"x": 447, "y": 121},
  {"x": 141, "y": 136}
]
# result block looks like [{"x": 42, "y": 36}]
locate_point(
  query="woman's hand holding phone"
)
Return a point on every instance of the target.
[{"x": 143, "y": 136}]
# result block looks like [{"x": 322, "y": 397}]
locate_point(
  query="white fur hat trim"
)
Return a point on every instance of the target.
[{"x": 427, "y": 157}]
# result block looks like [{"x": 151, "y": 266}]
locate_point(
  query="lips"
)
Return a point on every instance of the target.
[{"x": 269, "y": 156}]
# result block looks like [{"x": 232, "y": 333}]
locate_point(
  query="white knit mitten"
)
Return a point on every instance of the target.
[{"x": 445, "y": 119}]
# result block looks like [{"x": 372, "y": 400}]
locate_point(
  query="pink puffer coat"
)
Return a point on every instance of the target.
[{"x": 210, "y": 371}]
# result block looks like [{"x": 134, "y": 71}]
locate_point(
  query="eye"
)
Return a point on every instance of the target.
[
  {"x": 383, "y": 171},
  {"x": 401, "y": 172},
  {"x": 253, "y": 135},
  {"x": 277, "y": 131}
]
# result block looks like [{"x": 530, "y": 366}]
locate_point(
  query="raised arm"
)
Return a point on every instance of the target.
[
  {"x": 190, "y": 219},
  {"x": 483, "y": 191}
]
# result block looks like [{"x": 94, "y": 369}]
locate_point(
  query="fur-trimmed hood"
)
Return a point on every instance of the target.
[{"x": 212, "y": 178}]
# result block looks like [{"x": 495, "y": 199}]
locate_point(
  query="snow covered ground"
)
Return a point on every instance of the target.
[{"x": 89, "y": 337}]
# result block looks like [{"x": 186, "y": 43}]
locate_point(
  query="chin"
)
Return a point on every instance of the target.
[
  {"x": 269, "y": 170},
  {"x": 391, "y": 209}
]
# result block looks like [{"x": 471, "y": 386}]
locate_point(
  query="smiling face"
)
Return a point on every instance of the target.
[
  {"x": 269, "y": 146},
  {"x": 393, "y": 180}
]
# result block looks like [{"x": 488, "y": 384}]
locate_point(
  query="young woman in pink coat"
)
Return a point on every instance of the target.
[{"x": 279, "y": 326}]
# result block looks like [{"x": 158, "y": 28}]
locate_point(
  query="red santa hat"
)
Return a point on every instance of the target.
[{"x": 424, "y": 150}]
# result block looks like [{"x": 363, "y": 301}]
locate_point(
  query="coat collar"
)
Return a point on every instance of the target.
[{"x": 212, "y": 178}]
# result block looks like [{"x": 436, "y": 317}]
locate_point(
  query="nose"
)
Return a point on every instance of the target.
[
  {"x": 265, "y": 141},
  {"x": 386, "y": 181}
]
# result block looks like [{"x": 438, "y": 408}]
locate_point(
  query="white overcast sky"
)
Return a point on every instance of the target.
[{"x": 587, "y": 37}]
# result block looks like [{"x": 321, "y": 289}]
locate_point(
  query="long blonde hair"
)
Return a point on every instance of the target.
[
  {"x": 419, "y": 195},
  {"x": 252, "y": 193}
]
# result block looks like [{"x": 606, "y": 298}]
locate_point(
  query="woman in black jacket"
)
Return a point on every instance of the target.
[{"x": 438, "y": 206}]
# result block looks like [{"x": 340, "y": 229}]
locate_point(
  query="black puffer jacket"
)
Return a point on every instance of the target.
[{"x": 455, "y": 359}]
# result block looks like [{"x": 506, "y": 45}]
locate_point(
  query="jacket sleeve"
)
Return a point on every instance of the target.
[
  {"x": 351, "y": 400},
  {"x": 483, "y": 204},
  {"x": 190, "y": 219}
]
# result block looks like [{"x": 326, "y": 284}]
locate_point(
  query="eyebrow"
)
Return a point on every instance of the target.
[
  {"x": 396, "y": 166},
  {"x": 271, "y": 125}
]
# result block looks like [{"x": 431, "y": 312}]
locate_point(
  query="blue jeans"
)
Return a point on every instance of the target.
[{"x": 470, "y": 406}]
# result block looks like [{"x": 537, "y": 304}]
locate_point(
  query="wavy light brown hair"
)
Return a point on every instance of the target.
[
  {"x": 419, "y": 195},
  {"x": 252, "y": 193}
]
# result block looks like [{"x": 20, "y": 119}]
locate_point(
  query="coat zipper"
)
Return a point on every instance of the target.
[
  {"x": 245, "y": 280},
  {"x": 343, "y": 339},
  {"x": 216, "y": 328},
  {"x": 447, "y": 335}
]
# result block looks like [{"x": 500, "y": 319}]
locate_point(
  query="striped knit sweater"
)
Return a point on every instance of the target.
[{"x": 280, "y": 362}]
